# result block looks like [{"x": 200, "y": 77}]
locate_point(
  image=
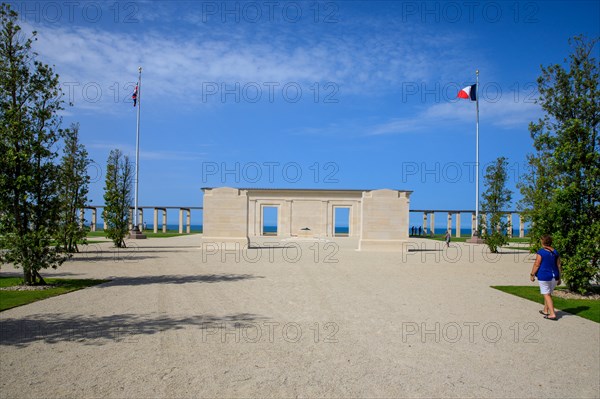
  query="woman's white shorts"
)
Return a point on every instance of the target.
[{"x": 547, "y": 287}]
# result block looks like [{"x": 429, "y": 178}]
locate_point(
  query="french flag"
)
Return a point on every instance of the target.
[
  {"x": 135, "y": 95},
  {"x": 469, "y": 92}
]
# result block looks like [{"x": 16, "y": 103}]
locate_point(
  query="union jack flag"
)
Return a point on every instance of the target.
[{"x": 134, "y": 96}]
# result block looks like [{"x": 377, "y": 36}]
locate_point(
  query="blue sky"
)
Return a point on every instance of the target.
[{"x": 346, "y": 94}]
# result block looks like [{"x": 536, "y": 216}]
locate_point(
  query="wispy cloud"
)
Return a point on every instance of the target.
[
  {"x": 150, "y": 155},
  {"x": 99, "y": 66},
  {"x": 505, "y": 113}
]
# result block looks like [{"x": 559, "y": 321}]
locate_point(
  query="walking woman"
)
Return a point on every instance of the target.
[{"x": 547, "y": 269}]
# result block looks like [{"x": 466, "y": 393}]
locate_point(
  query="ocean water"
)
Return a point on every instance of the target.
[{"x": 196, "y": 228}]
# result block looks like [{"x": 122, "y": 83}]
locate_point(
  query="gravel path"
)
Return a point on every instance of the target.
[{"x": 317, "y": 319}]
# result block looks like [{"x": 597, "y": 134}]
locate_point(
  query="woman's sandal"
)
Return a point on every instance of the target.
[
  {"x": 550, "y": 318},
  {"x": 544, "y": 314}
]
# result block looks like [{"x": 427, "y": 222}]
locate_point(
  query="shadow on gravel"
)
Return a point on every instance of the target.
[
  {"x": 123, "y": 328},
  {"x": 176, "y": 279}
]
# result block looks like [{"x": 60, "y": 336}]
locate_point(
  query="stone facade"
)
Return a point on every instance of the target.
[{"x": 377, "y": 218}]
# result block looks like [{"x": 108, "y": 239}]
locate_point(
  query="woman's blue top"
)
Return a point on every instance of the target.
[{"x": 548, "y": 267}]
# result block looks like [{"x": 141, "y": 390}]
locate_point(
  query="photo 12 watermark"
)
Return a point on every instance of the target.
[
  {"x": 454, "y": 172},
  {"x": 470, "y": 12},
  {"x": 254, "y": 12},
  {"x": 487, "y": 92},
  {"x": 273, "y": 252},
  {"x": 471, "y": 332},
  {"x": 270, "y": 172},
  {"x": 420, "y": 252},
  {"x": 89, "y": 12},
  {"x": 271, "y": 92},
  {"x": 92, "y": 92},
  {"x": 270, "y": 332}
]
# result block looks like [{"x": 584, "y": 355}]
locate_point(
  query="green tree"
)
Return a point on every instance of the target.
[
  {"x": 495, "y": 199},
  {"x": 118, "y": 197},
  {"x": 73, "y": 189},
  {"x": 30, "y": 100},
  {"x": 561, "y": 193}
]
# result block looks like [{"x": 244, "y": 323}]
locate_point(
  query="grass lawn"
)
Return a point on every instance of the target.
[
  {"x": 586, "y": 308},
  {"x": 149, "y": 234},
  {"x": 11, "y": 299}
]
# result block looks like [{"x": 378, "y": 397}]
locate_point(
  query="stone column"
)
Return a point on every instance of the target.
[
  {"x": 155, "y": 221},
  {"x": 104, "y": 225},
  {"x": 164, "y": 223},
  {"x": 188, "y": 221},
  {"x": 432, "y": 224},
  {"x": 93, "y": 226},
  {"x": 180, "y": 220},
  {"x": 449, "y": 224},
  {"x": 484, "y": 223},
  {"x": 141, "y": 219},
  {"x": 521, "y": 226},
  {"x": 424, "y": 223},
  {"x": 81, "y": 218},
  {"x": 509, "y": 225},
  {"x": 458, "y": 224},
  {"x": 473, "y": 223},
  {"x": 130, "y": 219}
]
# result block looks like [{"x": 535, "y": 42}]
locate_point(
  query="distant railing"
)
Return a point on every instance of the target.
[{"x": 182, "y": 209}]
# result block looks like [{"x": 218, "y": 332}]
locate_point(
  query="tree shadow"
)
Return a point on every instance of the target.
[
  {"x": 100, "y": 330},
  {"x": 573, "y": 311},
  {"x": 176, "y": 279}
]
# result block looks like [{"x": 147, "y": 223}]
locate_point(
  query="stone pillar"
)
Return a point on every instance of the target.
[
  {"x": 521, "y": 226},
  {"x": 164, "y": 223},
  {"x": 81, "y": 218},
  {"x": 449, "y": 224},
  {"x": 93, "y": 225},
  {"x": 484, "y": 223},
  {"x": 473, "y": 223},
  {"x": 458, "y": 224},
  {"x": 188, "y": 221},
  {"x": 104, "y": 225},
  {"x": 141, "y": 219},
  {"x": 180, "y": 220},
  {"x": 509, "y": 225},
  {"x": 424, "y": 223},
  {"x": 155, "y": 221},
  {"x": 432, "y": 224},
  {"x": 130, "y": 219}
]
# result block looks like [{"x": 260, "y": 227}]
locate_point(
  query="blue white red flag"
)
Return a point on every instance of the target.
[{"x": 469, "y": 92}]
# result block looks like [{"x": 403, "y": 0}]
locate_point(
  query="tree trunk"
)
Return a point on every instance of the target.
[{"x": 27, "y": 277}]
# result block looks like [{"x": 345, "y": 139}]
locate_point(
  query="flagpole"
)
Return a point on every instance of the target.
[
  {"x": 477, "y": 154},
  {"x": 137, "y": 148},
  {"x": 135, "y": 231}
]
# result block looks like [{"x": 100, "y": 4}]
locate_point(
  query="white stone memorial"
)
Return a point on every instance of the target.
[{"x": 377, "y": 218}]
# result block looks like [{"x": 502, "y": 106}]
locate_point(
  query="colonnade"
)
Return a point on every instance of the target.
[
  {"x": 185, "y": 217},
  {"x": 453, "y": 219}
]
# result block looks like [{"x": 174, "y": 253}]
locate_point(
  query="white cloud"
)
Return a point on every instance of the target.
[
  {"x": 149, "y": 155},
  {"x": 101, "y": 65}
]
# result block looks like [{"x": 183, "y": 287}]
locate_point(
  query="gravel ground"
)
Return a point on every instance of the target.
[{"x": 316, "y": 319}]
